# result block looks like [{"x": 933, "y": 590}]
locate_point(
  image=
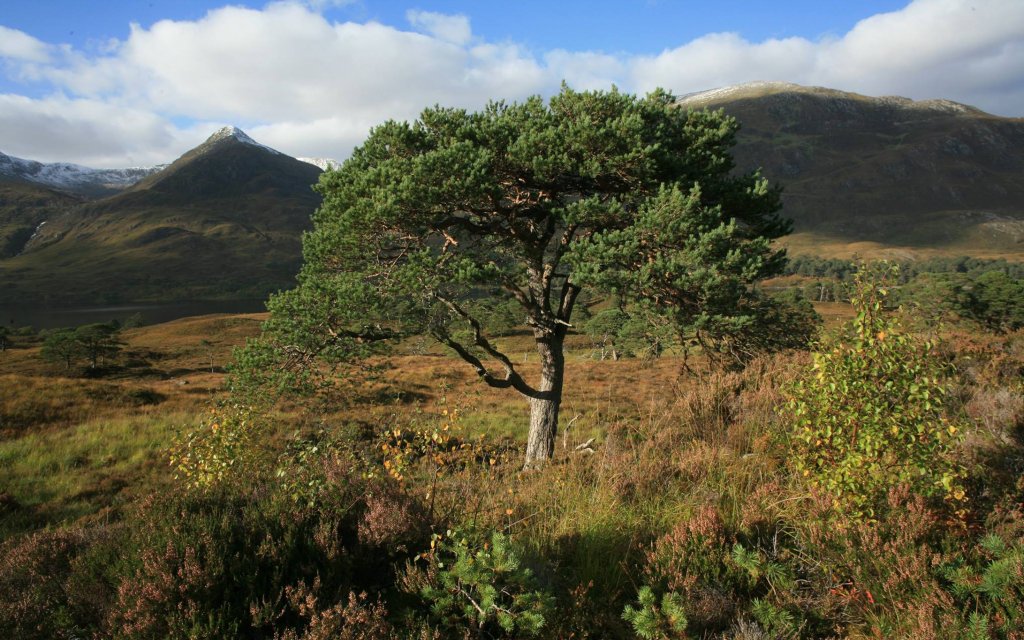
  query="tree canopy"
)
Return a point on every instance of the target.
[
  {"x": 432, "y": 224},
  {"x": 91, "y": 341}
]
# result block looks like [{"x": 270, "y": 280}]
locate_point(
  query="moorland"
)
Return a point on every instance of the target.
[{"x": 157, "y": 481}]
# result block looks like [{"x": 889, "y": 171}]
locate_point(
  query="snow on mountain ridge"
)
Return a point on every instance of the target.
[
  {"x": 721, "y": 92},
  {"x": 225, "y": 133},
  {"x": 325, "y": 164},
  {"x": 76, "y": 178},
  {"x": 65, "y": 175},
  {"x": 763, "y": 87}
]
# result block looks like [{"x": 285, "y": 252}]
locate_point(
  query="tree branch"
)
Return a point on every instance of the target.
[
  {"x": 521, "y": 296},
  {"x": 551, "y": 269},
  {"x": 512, "y": 377},
  {"x": 367, "y": 334},
  {"x": 567, "y": 300}
]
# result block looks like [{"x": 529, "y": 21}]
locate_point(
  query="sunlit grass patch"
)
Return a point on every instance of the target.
[
  {"x": 29, "y": 402},
  {"x": 56, "y": 477}
]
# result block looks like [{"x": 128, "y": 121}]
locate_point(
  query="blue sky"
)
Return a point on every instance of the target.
[
  {"x": 636, "y": 26},
  {"x": 115, "y": 83}
]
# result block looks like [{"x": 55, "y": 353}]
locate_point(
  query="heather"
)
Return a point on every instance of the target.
[{"x": 688, "y": 514}]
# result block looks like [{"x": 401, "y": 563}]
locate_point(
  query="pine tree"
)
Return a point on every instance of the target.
[{"x": 528, "y": 204}]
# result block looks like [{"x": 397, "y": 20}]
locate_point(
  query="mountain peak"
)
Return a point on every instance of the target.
[
  {"x": 231, "y": 132},
  {"x": 758, "y": 86},
  {"x": 236, "y": 134},
  {"x": 762, "y": 89}
]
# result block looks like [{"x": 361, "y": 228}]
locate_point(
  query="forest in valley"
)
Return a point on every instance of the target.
[{"x": 545, "y": 373}]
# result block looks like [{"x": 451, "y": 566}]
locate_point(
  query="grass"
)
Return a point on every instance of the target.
[
  {"x": 677, "y": 456},
  {"x": 73, "y": 447},
  {"x": 56, "y": 477}
]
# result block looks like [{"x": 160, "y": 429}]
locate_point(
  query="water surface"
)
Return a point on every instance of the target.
[{"x": 41, "y": 317}]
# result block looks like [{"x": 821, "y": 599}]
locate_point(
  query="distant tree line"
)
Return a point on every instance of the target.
[
  {"x": 839, "y": 269},
  {"x": 92, "y": 343},
  {"x": 989, "y": 292}
]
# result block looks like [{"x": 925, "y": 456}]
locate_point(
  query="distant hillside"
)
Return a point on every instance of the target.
[
  {"x": 885, "y": 175},
  {"x": 72, "y": 178},
  {"x": 23, "y": 208},
  {"x": 867, "y": 176},
  {"x": 223, "y": 221}
]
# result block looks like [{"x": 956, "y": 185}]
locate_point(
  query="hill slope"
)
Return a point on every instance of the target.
[
  {"x": 23, "y": 208},
  {"x": 882, "y": 174},
  {"x": 223, "y": 221},
  {"x": 72, "y": 178}
]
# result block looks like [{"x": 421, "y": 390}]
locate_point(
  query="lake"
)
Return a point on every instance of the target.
[{"x": 54, "y": 317}]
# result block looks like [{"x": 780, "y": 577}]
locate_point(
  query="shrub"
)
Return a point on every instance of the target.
[
  {"x": 218, "y": 449},
  {"x": 693, "y": 560},
  {"x": 652, "y": 620},
  {"x": 34, "y": 601},
  {"x": 993, "y": 586},
  {"x": 871, "y": 413},
  {"x": 480, "y": 581},
  {"x": 356, "y": 619},
  {"x": 229, "y": 563}
]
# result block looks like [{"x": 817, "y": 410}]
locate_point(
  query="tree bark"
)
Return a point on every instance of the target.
[{"x": 544, "y": 406}]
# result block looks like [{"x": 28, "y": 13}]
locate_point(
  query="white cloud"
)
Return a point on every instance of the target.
[
  {"x": 722, "y": 59},
  {"x": 331, "y": 137},
  {"x": 453, "y": 29},
  {"x": 314, "y": 87},
  {"x": 90, "y": 132},
  {"x": 18, "y": 45},
  {"x": 967, "y": 51},
  {"x": 588, "y": 70}
]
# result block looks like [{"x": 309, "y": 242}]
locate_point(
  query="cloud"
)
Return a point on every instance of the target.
[
  {"x": 587, "y": 70},
  {"x": 722, "y": 59},
  {"x": 310, "y": 86},
  {"x": 330, "y": 137},
  {"x": 90, "y": 132},
  {"x": 286, "y": 62},
  {"x": 967, "y": 51},
  {"x": 453, "y": 29},
  {"x": 296, "y": 80},
  {"x": 19, "y": 46}
]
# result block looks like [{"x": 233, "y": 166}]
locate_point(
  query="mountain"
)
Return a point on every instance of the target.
[
  {"x": 24, "y": 208},
  {"x": 325, "y": 164},
  {"x": 882, "y": 176},
  {"x": 870, "y": 176},
  {"x": 225, "y": 220},
  {"x": 71, "y": 178}
]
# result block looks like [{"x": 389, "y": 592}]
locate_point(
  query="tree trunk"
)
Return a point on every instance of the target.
[{"x": 540, "y": 445}]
